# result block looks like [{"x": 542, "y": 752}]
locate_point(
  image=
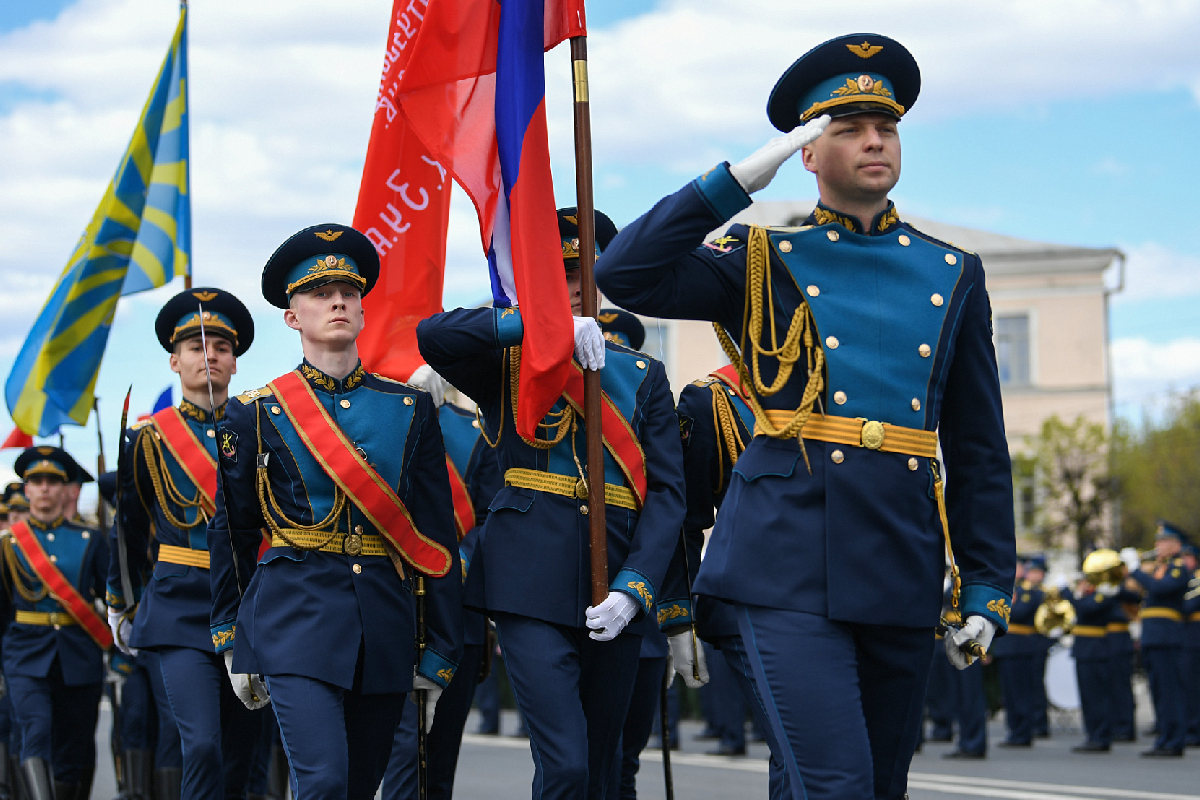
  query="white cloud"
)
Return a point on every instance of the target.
[
  {"x": 1155, "y": 272},
  {"x": 1148, "y": 376}
]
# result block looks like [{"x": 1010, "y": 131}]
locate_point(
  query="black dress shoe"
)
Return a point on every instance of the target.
[
  {"x": 1007, "y": 743},
  {"x": 726, "y": 750},
  {"x": 1125, "y": 739},
  {"x": 1192, "y": 743},
  {"x": 1091, "y": 747},
  {"x": 943, "y": 739},
  {"x": 965, "y": 755},
  {"x": 707, "y": 733},
  {"x": 1162, "y": 752}
]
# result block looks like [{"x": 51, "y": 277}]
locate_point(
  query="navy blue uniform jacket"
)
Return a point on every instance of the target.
[
  {"x": 533, "y": 555},
  {"x": 309, "y": 612},
  {"x": 904, "y": 321},
  {"x": 1162, "y": 608}
]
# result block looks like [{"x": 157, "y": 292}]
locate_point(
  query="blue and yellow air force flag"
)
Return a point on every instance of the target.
[{"x": 139, "y": 238}]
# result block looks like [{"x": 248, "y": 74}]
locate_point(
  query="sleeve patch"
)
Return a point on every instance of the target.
[
  {"x": 229, "y": 445},
  {"x": 725, "y": 245},
  {"x": 686, "y": 424}
]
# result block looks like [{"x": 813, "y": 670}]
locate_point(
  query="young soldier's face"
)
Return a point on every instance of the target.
[
  {"x": 331, "y": 314},
  {"x": 189, "y": 357},
  {"x": 46, "y": 494},
  {"x": 857, "y": 157}
]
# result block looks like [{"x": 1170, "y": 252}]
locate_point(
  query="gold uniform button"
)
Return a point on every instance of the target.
[
  {"x": 358, "y": 529},
  {"x": 904, "y": 240},
  {"x": 924, "y": 351},
  {"x": 344, "y": 404},
  {"x": 49, "y": 537},
  {"x": 640, "y": 364},
  {"x": 583, "y": 509},
  {"x": 85, "y": 535},
  {"x": 274, "y": 409},
  {"x": 54, "y": 558},
  {"x": 912, "y": 465},
  {"x": 357, "y": 568},
  {"x": 839, "y": 398},
  {"x": 951, "y": 259},
  {"x": 785, "y": 246},
  {"x": 916, "y": 404},
  {"x": 210, "y": 433},
  {"x": 813, "y": 291},
  {"x": 408, "y": 401},
  {"x": 475, "y": 424},
  {"x": 936, "y": 300},
  {"x": 837, "y": 456},
  {"x": 833, "y": 235},
  {"x": 832, "y": 342}
]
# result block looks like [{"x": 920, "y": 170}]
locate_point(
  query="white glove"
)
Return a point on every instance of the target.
[
  {"x": 432, "y": 692},
  {"x": 977, "y": 629},
  {"x": 757, "y": 170},
  {"x": 589, "y": 343},
  {"x": 424, "y": 377},
  {"x": 121, "y": 629},
  {"x": 685, "y": 651},
  {"x": 1132, "y": 558},
  {"x": 608, "y": 619},
  {"x": 1107, "y": 590},
  {"x": 250, "y": 689}
]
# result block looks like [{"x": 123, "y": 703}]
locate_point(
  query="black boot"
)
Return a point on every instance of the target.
[
  {"x": 168, "y": 783},
  {"x": 37, "y": 779},
  {"x": 136, "y": 775}
]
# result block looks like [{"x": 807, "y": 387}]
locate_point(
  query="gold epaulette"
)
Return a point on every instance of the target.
[
  {"x": 702, "y": 382},
  {"x": 141, "y": 423},
  {"x": 255, "y": 394}
]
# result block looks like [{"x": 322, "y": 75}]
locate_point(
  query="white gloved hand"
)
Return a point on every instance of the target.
[
  {"x": 686, "y": 651},
  {"x": 608, "y": 619},
  {"x": 250, "y": 689},
  {"x": 424, "y": 377},
  {"x": 977, "y": 629},
  {"x": 589, "y": 343},
  {"x": 1132, "y": 558},
  {"x": 121, "y": 629},
  {"x": 757, "y": 170},
  {"x": 1107, "y": 590},
  {"x": 432, "y": 692}
]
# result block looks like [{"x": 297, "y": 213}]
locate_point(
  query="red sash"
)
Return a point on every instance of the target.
[
  {"x": 619, "y": 438},
  {"x": 346, "y": 467},
  {"x": 200, "y": 467},
  {"x": 60, "y": 588},
  {"x": 464, "y": 512}
]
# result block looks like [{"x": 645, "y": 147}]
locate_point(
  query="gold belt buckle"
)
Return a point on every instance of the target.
[
  {"x": 53, "y": 619},
  {"x": 581, "y": 489},
  {"x": 872, "y": 434},
  {"x": 352, "y": 544}
]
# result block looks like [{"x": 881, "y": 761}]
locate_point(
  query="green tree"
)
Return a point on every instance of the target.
[{"x": 1073, "y": 475}]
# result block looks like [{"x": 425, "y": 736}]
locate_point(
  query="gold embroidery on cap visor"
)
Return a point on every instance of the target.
[
  {"x": 212, "y": 324},
  {"x": 45, "y": 468},
  {"x": 852, "y": 93},
  {"x": 327, "y": 270}
]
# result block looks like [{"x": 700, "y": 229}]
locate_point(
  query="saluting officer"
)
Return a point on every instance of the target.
[
  {"x": 54, "y": 646},
  {"x": 347, "y": 472},
  {"x": 169, "y": 485},
  {"x": 1165, "y": 585},
  {"x": 863, "y": 339},
  {"x": 572, "y": 666}
]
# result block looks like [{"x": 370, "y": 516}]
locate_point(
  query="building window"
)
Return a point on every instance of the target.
[
  {"x": 1024, "y": 493},
  {"x": 1012, "y": 349}
]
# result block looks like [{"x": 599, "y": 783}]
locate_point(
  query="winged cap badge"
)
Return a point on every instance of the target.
[
  {"x": 864, "y": 50},
  {"x": 330, "y": 235},
  {"x": 204, "y": 297}
]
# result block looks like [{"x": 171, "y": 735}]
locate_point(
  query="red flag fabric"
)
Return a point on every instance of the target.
[
  {"x": 474, "y": 92},
  {"x": 18, "y": 438},
  {"x": 403, "y": 208}
]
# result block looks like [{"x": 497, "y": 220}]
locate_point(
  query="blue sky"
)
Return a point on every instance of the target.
[{"x": 1073, "y": 122}]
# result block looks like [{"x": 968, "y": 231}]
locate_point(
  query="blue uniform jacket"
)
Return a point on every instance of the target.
[
  {"x": 173, "y": 605},
  {"x": 1022, "y": 638},
  {"x": 1162, "y": 607},
  {"x": 1191, "y": 614},
  {"x": 81, "y": 554},
  {"x": 1092, "y": 615},
  {"x": 708, "y": 469},
  {"x": 904, "y": 321},
  {"x": 535, "y": 545},
  {"x": 309, "y": 612}
]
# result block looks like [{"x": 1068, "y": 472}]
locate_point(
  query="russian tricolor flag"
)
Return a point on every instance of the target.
[{"x": 474, "y": 90}]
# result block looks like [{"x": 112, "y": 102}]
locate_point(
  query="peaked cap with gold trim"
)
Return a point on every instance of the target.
[
  {"x": 862, "y": 72},
  {"x": 568, "y": 231},
  {"x": 45, "y": 460},
  {"x": 316, "y": 256},
  {"x": 621, "y": 327},
  {"x": 224, "y": 316}
]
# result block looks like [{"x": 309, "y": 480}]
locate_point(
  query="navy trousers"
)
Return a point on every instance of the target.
[
  {"x": 1121, "y": 705},
  {"x": 337, "y": 741},
  {"x": 734, "y": 654},
  {"x": 57, "y": 722},
  {"x": 1041, "y": 705},
  {"x": 1191, "y": 688},
  {"x": 573, "y": 692},
  {"x": 644, "y": 706},
  {"x": 1018, "y": 679},
  {"x": 444, "y": 740},
  {"x": 216, "y": 731},
  {"x": 487, "y": 699},
  {"x": 939, "y": 697},
  {"x": 864, "y": 683},
  {"x": 1095, "y": 702},
  {"x": 971, "y": 703},
  {"x": 728, "y": 704},
  {"x": 1164, "y": 668}
]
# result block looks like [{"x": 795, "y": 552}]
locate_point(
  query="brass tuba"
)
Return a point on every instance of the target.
[
  {"x": 1104, "y": 567},
  {"x": 1054, "y": 612}
]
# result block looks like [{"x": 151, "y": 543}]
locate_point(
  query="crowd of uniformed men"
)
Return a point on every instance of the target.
[{"x": 286, "y": 566}]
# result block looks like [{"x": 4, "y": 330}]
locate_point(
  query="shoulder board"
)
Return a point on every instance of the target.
[
  {"x": 255, "y": 394},
  {"x": 628, "y": 351},
  {"x": 393, "y": 380},
  {"x": 141, "y": 423},
  {"x": 705, "y": 381}
]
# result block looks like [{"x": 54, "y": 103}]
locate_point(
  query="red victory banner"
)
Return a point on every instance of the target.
[{"x": 403, "y": 208}]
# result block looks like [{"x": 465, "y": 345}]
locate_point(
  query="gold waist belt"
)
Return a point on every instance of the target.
[
  {"x": 355, "y": 544},
  {"x": 55, "y": 618},
  {"x": 183, "y": 555},
  {"x": 1089, "y": 631},
  {"x": 1118, "y": 627},
  {"x": 1195, "y": 617},
  {"x": 1162, "y": 613},
  {"x": 1023, "y": 630},
  {"x": 859, "y": 432},
  {"x": 567, "y": 486}
]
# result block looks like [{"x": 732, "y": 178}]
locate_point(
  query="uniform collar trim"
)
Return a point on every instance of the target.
[
  {"x": 884, "y": 222},
  {"x": 45, "y": 526},
  {"x": 189, "y": 409},
  {"x": 319, "y": 380}
]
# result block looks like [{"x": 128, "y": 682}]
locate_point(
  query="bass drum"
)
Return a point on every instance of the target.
[{"x": 1062, "y": 685}]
